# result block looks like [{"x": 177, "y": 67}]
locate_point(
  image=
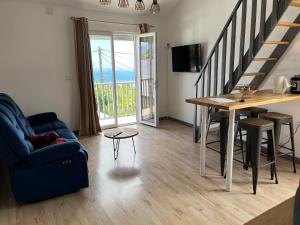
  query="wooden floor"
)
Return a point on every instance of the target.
[{"x": 160, "y": 185}]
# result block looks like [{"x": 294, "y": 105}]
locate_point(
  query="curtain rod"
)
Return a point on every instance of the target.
[{"x": 110, "y": 22}]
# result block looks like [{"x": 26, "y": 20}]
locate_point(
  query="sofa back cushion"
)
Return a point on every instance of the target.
[
  {"x": 9, "y": 103},
  {"x": 12, "y": 135}
]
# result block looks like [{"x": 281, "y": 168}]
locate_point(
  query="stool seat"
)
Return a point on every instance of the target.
[
  {"x": 276, "y": 116},
  {"x": 253, "y": 111},
  {"x": 257, "y": 123}
]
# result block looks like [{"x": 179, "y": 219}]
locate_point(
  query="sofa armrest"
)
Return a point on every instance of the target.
[
  {"x": 53, "y": 152},
  {"x": 42, "y": 118}
]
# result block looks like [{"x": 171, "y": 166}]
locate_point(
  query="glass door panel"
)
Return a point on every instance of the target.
[
  {"x": 104, "y": 78},
  {"x": 124, "y": 54},
  {"x": 148, "y": 79}
]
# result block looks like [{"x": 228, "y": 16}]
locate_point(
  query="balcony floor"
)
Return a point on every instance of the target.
[{"x": 121, "y": 121}]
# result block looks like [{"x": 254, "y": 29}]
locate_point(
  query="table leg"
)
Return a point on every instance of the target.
[
  {"x": 116, "y": 148},
  {"x": 204, "y": 111},
  {"x": 230, "y": 146},
  {"x": 133, "y": 145}
]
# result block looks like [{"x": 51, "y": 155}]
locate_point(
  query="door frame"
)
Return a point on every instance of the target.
[
  {"x": 156, "y": 119},
  {"x": 112, "y": 35}
]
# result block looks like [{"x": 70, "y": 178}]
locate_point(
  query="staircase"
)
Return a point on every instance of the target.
[{"x": 231, "y": 57}]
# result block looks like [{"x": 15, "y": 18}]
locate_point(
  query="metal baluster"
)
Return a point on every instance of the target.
[
  {"x": 216, "y": 71},
  {"x": 123, "y": 109},
  {"x": 203, "y": 84},
  {"x": 209, "y": 79},
  {"x": 127, "y": 98},
  {"x": 262, "y": 22},
  {"x": 232, "y": 53},
  {"x": 242, "y": 42},
  {"x": 252, "y": 30},
  {"x": 108, "y": 99},
  {"x": 274, "y": 13},
  {"x": 103, "y": 103},
  {"x": 224, "y": 56}
]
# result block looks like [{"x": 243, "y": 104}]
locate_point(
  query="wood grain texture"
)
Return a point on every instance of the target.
[
  {"x": 295, "y": 3},
  {"x": 251, "y": 74},
  {"x": 264, "y": 97},
  {"x": 279, "y": 215},
  {"x": 288, "y": 24},
  {"x": 276, "y": 43},
  {"x": 264, "y": 59},
  {"x": 160, "y": 186}
]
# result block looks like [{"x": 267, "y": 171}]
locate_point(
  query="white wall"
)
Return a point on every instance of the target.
[
  {"x": 201, "y": 22},
  {"x": 37, "y": 57},
  {"x": 193, "y": 21}
]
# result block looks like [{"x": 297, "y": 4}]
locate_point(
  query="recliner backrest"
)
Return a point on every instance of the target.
[
  {"x": 13, "y": 140},
  {"x": 15, "y": 109}
]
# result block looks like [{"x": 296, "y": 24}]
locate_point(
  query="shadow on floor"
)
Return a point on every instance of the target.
[{"x": 123, "y": 173}]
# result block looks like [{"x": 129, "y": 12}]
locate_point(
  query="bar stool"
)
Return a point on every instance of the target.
[
  {"x": 279, "y": 120},
  {"x": 222, "y": 118},
  {"x": 253, "y": 112},
  {"x": 255, "y": 129}
]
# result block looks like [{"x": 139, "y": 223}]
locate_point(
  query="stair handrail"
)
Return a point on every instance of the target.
[{"x": 236, "y": 8}]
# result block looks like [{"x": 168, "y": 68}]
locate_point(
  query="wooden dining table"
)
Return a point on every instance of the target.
[{"x": 231, "y": 103}]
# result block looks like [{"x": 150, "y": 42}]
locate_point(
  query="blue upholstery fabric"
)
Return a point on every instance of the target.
[
  {"x": 42, "y": 118},
  {"x": 38, "y": 174},
  {"x": 53, "y": 152},
  {"x": 14, "y": 108}
]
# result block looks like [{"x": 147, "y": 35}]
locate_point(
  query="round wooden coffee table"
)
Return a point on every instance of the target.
[{"x": 118, "y": 134}]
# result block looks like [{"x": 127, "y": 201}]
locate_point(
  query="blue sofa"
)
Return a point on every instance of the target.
[{"x": 39, "y": 174}]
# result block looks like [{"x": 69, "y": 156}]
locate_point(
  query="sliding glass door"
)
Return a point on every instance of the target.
[
  {"x": 113, "y": 59},
  {"x": 148, "y": 79}
]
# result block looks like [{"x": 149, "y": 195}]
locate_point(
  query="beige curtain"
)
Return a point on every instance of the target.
[{"x": 89, "y": 119}]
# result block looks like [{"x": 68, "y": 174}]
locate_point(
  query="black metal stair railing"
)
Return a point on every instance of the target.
[{"x": 221, "y": 81}]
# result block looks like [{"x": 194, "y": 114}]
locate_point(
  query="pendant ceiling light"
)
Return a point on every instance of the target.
[
  {"x": 105, "y": 2},
  {"x": 139, "y": 5},
  {"x": 155, "y": 8},
  {"x": 123, "y": 4}
]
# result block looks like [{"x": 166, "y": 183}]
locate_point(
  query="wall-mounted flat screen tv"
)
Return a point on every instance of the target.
[{"x": 186, "y": 58}]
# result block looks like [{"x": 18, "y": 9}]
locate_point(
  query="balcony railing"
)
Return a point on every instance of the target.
[{"x": 126, "y": 99}]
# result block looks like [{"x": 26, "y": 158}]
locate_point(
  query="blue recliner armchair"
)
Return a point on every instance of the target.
[{"x": 39, "y": 174}]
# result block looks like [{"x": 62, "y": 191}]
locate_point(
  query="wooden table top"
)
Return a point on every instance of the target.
[
  {"x": 121, "y": 133},
  {"x": 263, "y": 97}
]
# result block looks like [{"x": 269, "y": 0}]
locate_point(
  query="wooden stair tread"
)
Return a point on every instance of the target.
[
  {"x": 264, "y": 59},
  {"x": 288, "y": 24},
  {"x": 295, "y": 3},
  {"x": 254, "y": 74},
  {"x": 277, "y": 42}
]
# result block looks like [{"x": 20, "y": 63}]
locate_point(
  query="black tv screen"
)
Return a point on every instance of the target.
[{"x": 186, "y": 58}]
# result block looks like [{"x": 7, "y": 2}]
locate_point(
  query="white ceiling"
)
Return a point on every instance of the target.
[{"x": 167, "y": 6}]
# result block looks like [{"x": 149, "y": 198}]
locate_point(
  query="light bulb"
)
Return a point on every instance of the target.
[
  {"x": 139, "y": 5},
  {"x": 155, "y": 8},
  {"x": 105, "y": 2},
  {"x": 123, "y": 4}
]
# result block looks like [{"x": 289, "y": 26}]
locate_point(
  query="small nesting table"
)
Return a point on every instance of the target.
[{"x": 118, "y": 134}]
